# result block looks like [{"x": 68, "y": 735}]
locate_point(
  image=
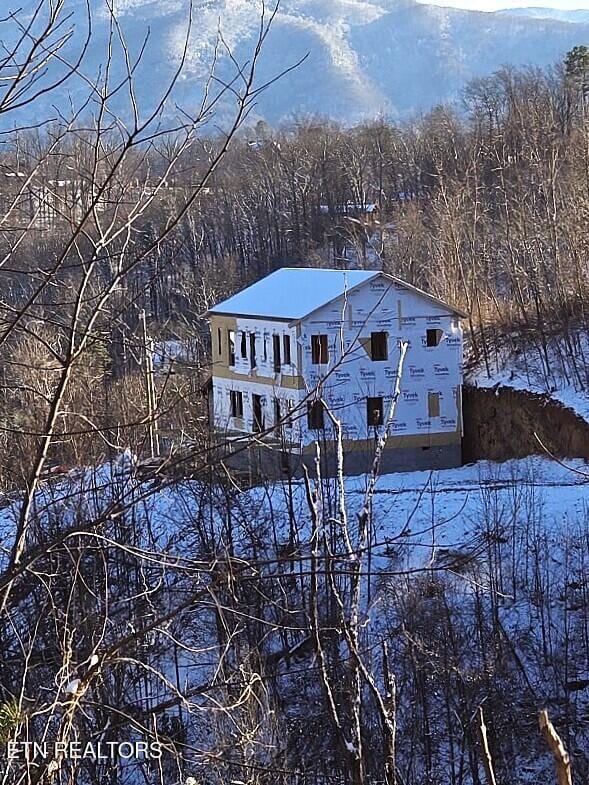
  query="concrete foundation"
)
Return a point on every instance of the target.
[{"x": 273, "y": 462}]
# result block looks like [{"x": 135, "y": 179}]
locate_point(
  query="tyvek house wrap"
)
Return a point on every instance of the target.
[
  {"x": 377, "y": 303},
  {"x": 382, "y": 305}
]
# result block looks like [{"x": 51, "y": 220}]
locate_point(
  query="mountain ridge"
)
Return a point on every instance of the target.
[{"x": 362, "y": 58}]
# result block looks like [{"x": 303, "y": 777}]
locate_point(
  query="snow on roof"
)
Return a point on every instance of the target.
[
  {"x": 292, "y": 292},
  {"x": 295, "y": 292}
]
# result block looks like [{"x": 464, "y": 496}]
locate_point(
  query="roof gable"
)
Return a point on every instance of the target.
[
  {"x": 426, "y": 295},
  {"x": 292, "y": 293}
]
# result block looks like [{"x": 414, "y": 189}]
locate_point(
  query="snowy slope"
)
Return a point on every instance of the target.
[
  {"x": 364, "y": 57},
  {"x": 561, "y": 371},
  {"x": 468, "y": 530},
  {"x": 419, "y": 514},
  {"x": 421, "y": 518}
]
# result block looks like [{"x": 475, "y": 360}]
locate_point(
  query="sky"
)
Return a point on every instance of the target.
[{"x": 495, "y": 5}]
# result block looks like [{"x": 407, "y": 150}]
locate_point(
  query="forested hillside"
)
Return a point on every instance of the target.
[{"x": 486, "y": 210}]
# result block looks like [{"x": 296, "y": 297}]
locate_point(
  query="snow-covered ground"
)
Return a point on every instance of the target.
[
  {"x": 419, "y": 514},
  {"x": 444, "y": 510},
  {"x": 512, "y": 534},
  {"x": 423, "y": 518}
]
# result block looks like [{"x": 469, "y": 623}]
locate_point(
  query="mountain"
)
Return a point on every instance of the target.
[
  {"x": 575, "y": 16},
  {"x": 363, "y": 57}
]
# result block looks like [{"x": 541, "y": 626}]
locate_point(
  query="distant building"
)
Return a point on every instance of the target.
[
  {"x": 301, "y": 340},
  {"x": 28, "y": 200},
  {"x": 354, "y": 209}
]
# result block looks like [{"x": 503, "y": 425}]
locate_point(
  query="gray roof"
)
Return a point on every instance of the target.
[{"x": 292, "y": 292}]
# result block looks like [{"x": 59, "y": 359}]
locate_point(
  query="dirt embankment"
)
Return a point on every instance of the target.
[{"x": 500, "y": 424}]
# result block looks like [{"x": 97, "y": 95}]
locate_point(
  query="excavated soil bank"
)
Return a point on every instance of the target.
[{"x": 499, "y": 424}]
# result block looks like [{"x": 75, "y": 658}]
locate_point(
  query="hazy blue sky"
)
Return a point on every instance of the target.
[{"x": 494, "y": 5}]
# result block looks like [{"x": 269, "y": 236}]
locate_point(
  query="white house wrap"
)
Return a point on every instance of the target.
[{"x": 304, "y": 339}]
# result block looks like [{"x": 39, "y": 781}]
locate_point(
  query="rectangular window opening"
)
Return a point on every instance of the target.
[
  {"x": 276, "y": 351},
  {"x": 319, "y": 350},
  {"x": 315, "y": 415},
  {"x": 433, "y": 337},
  {"x": 219, "y": 347},
  {"x": 236, "y": 399},
  {"x": 286, "y": 347},
  {"x": 433, "y": 404},
  {"x": 289, "y": 413},
  {"x": 258, "y": 413},
  {"x": 277, "y": 417},
  {"x": 379, "y": 346},
  {"x": 374, "y": 411},
  {"x": 253, "y": 350},
  {"x": 231, "y": 346},
  {"x": 243, "y": 345}
]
